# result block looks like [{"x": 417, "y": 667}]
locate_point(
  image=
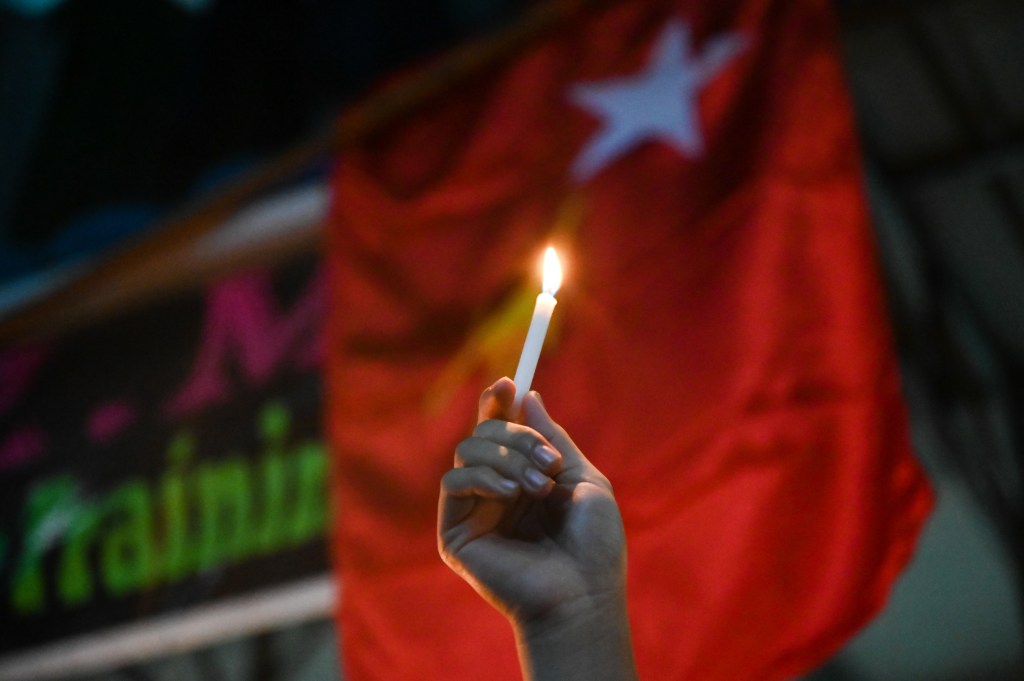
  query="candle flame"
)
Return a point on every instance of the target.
[{"x": 552, "y": 271}]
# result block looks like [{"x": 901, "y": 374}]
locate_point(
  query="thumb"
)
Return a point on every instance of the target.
[{"x": 496, "y": 401}]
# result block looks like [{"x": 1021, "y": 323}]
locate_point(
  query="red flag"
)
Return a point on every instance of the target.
[{"x": 719, "y": 350}]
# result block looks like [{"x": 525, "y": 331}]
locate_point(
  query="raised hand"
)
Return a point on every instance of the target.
[{"x": 528, "y": 521}]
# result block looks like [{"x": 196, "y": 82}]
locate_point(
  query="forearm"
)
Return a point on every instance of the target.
[{"x": 591, "y": 642}]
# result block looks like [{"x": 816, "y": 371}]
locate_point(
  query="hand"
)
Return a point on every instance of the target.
[{"x": 527, "y": 520}]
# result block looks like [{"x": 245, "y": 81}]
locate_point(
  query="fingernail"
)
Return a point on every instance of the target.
[
  {"x": 508, "y": 486},
  {"x": 537, "y": 395},
  {"x": 536, "y": 479},
  {"x": 544, "y": 455}
]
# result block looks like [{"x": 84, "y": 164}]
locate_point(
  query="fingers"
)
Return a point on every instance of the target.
[
  {"x": 514, "y": 453},
  {"x": 536, "y": 417},
  {"x": 478, "y": 481},
  {"x": 496, "y": 401},
  {"x": 501, "y": 462},
  {"x": 461, "y": 488}
]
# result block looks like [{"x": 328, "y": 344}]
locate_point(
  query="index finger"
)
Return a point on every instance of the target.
[{"x": 536, "y": 416}]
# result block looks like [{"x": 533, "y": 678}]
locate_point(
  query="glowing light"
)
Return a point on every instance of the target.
[
  {"x": 552, "y": 272},
  {"x": 542, "y": 311}
]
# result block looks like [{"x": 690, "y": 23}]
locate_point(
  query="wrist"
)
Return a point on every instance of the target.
[{"x": 588, "y": 638}]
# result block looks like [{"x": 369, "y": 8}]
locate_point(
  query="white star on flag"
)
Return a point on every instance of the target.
[{"x": 657, "y": 103}]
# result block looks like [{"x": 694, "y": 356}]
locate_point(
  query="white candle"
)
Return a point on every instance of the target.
[{"x": 538, "y": 326}]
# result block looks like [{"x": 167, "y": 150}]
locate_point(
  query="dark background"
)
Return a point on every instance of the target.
[{"x": 114, "y": 113}]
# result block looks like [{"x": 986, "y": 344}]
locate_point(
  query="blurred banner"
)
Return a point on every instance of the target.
[{"x": 165, "y": 459}]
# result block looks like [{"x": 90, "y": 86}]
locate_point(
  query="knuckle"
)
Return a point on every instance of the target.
[
  {"x": 448, "y": 480},
  {"x": 460, "y": 451},
  {"x": 525, "y": 442},
  {"x": 487, "y": 427},
  {"x": 468, "y": 450},
  {"x": 445, "y": 551}
]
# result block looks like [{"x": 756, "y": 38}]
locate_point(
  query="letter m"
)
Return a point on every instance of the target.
[{"x": 242, "y": 326}]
